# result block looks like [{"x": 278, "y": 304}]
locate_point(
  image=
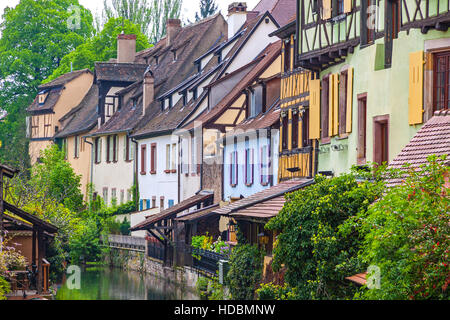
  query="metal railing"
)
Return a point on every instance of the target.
[
  {"x": 126, "y": 242},
  {"x": 206, "y": 260}
]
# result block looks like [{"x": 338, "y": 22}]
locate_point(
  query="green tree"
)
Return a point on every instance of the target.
[
  {"x": 34, "y": 38},
  {"x": 101, "y": 47},
  {"x": 150, "y": 15},
  {"x": 407, "y": 236},
  {"x": 207, "y": 8},
  {"x": 316, "y": 254}
]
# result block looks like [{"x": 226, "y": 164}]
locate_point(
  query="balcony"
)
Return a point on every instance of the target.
[
  {"x": 295, "y": 88},
  {"x": 296, "y": 163}
]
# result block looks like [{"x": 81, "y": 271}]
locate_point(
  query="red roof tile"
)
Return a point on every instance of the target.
[{"x": 432, "y": 138}]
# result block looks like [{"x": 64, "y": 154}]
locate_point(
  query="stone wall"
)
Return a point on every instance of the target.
[{"x": 139, "y": 261}]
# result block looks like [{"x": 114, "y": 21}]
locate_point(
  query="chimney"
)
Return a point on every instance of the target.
[
  {"x": 237, "y": 15},
  {"x": 148, "y": 90},
  {"x": 126, "y": 48},
  {"x": 173, "y": 27}
]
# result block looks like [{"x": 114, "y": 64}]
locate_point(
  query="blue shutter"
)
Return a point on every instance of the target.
[
  {"x": 148, "y": 203},
  {"x": 170, "y": 203},
  {"x": 141, "y": 205}
]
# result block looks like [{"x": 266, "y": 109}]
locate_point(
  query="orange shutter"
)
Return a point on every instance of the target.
[
  {"x": 415, "y": 99},
  {"x": 348, "y": 121},
  {"x": 314, "y": 109},
  {"x": 348, "y": 6},
  {"x": 336, "y": 105},
  {"x": 326, "y": 10},
  {"x": 330, "y": 105}
]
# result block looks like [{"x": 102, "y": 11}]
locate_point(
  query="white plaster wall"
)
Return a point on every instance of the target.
[
  {"x": 254, "y": 45},
  {"x": 241, "y": 188},
  {"x": 161, "y": 183},
  {"x": 117, "y": 175},
  {"x": 138, "y": 217}
]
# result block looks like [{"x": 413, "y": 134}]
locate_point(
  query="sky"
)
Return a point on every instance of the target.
[{"x": 190, "y": 7}]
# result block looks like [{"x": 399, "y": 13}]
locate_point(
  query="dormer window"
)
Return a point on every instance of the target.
[
  {"x": 174, "y": 55},
  {"x": 170, "y": 102},
  {"x": 134, "y": 101},
  {"x": 195, "y": 93},
  {"x": 42, "y": 96},
  {"x": 219, "y": 57},
  {"x": 163, "y": 102},
  {"x": 185, "y": 98},
  {"x": 156, "y": 59}
]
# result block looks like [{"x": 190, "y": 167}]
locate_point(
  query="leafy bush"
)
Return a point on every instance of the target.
[
  {"x": 269, "y": 291},
  {"x": 407, "y": 236},
  {"x": 4, "y": 288},
  {"x": 245, "y": 271},
  {"x": 316, "y": 254},
  {"x": 210, "y": 288}
]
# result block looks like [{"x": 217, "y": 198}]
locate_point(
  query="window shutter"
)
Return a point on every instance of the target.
[
  {"x": 330, "y": 105},
  {"x": 348, "y": 121},
  {"x": 100, "y": 149},
  {"x": 125, "y": 141},
  {"x": 253, "y": 165},
  {"x": 231, "y": 168},
  {"x": 314, "y": 109},
  {"x": 415, "y": 100},
  {"x": 236, "y": 166},
  {"x": 336, "y": 104},
  {"x": 326, "y": 10},
  {"x": 348, "y": 6},
  {"x": 342, "y": 102},
  {"x": 246, "y": 166}
]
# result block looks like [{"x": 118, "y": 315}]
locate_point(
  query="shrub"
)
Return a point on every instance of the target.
[
  {"x": 245, "y": 271},
  {"x": 269, "y": 291},
  {"x": 4, "y": 288},
  {"x": 407, "y": 236},
  {"x": 316, "y": 254}
]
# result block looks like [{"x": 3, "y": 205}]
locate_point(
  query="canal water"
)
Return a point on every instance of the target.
[{"x": 103, "y": 283}]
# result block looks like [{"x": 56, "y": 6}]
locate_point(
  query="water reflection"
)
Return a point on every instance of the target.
[{"x": 115, "y": 284}]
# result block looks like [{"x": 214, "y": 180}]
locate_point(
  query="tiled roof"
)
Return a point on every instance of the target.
[
  {"x": 359, "y": 278},
  {"x": 263, "y": 196},
  {"x": 198, "y": 214},
  {"x": 83, "y": 117},
  {"x": 281, "y": 10},
  {"x": 269, "y": 55},
  {"x": 127, "y": 72},
  {"x": 172, "y": 211},
  {"x": 432, "y": 138},
  {"x": 191, "y": 41},
  {"x": 62, "y": 80},
  {"x": 50, "y": 101},
  {"x": 261, "y": 121}
]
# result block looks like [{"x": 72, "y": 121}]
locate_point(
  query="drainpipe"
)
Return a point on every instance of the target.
[
  {"x": 91, "y": 169},
  {"x": 136, "y": 154},
  {"x": 179, "y": 169}
]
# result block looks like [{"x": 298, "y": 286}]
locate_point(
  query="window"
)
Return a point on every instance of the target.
[
  {"x": 287, "y": 56},
  {"x": 76, "y": 151},
  {"x": 168, "y": 163},
  {"x": 396, "y": 17},
  {"x": 264, "y": 166},
  {"x": 161, "y": 203},
  {"x": 233, "y": 168},
  {"x": 193, "y": 156},
  {"x": 306, "y": 142},
  {"x": 113, "y": 195},
  {"x": 381, "y": 139},
  {"x": 122, "y": 196},
  {"x": 64, "y": 148},
  {"x": 105, "y": 195},
  {"x": 170, "y": 203},
  {"x": 284, "y": 128},
  {"x": 153, "y": 158},
  {"x": 114, "y": 147},
  {"x": 362, "y": 128},
  {"x": 153, "y": 202},
  {"x": 129, "y": 149},
  {"x": 47, "y": 125},
  {"x": 324, "y": 107},
  {"x": 35, "y": 126},
  {"x": 249, "y": 166},
  {"x": 343, "y": 102},
  {"x": 129, "y": 195},
  {"x": 294, "y": 127},
  {"x": 441, "y": 81},
  {"x": 98, "y": 150},
  {"x": 108, "y": 149},
  {"x": 143, "y": 158},
  {"x": 174, "y": 158}
]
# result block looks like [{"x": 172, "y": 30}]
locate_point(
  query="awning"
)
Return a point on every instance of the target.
[
  {"x": 263, "y": 210},
  {"x": 359, "y": 278},
  {"x": 35, "y": 221},
  {"x": 261, "y": 203},
  {"x": 198, "y": 214},
  {"x": 172, "y": 211}
]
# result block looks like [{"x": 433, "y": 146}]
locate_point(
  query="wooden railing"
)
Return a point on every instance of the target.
[
  {"x": 126, "y": 242},
  {"x": 295, "y": 164}
]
